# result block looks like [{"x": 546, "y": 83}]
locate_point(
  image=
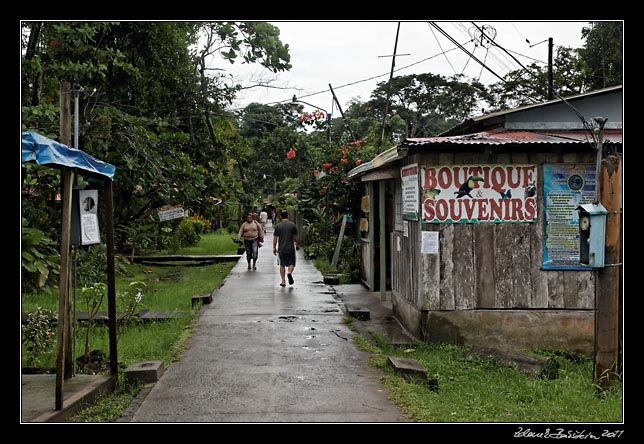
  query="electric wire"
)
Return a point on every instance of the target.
[
  {"x": 441, "y": 48},
  {"x": 472, "y": 55},
  {"x": 584, "y": 122},
  {"x": 487, "y": 50},
  {"x": 358, "y": 81}
]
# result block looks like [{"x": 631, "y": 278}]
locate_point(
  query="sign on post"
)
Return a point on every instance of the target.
[
  {"x": 88, "y": 203},
  {"x": 170, "y": 212}
]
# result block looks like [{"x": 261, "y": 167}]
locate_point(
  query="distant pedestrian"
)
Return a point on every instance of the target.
[
  {"x": 263, "y": 218},
  {"x": 284, "y": 236},
  {"x": 252, "y": 234}
]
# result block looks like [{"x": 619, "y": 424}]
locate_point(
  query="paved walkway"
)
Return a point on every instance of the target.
[{"x": 263, "y": 353}]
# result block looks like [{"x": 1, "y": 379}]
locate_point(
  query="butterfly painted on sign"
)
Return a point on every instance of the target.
[{"x": 506, "y": 194}]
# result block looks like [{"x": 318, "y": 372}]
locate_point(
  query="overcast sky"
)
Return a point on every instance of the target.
[{"x": 344, "y": 53}]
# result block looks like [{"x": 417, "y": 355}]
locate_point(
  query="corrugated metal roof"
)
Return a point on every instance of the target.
[
  {"x": 383, "y": 158},
  {"x": 509, "y": 137},
  {"x": 490, "y": 116},
  {"x": 493, "y": 137}
]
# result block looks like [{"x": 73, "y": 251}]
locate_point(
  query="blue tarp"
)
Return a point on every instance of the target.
[{"x": 45, "y": 151}]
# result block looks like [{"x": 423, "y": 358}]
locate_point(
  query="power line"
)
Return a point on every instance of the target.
[
  {"x": 585, "y": 124},
  {"x": 443, "y": 51},
  {"x": 359, "y": 81},
  {"x": 487, "y": 50},
  {"x": 467, "y": 52}
]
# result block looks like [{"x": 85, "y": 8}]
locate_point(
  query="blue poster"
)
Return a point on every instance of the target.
[{"x": 565, "y": 187}]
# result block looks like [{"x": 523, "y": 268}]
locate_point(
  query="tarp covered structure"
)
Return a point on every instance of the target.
[
  {"x": 45, "y": 151},
  {"x": 48, "y": 152}
]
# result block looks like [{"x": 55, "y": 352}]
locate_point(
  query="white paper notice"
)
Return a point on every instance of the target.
[
  {"x": 429, "y": 243},
  {"x": 89, "y": 229},
  {"x": 406, "y": 228}
]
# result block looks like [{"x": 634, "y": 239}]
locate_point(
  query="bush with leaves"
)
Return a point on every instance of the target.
[
  {"x": 128, "y": 301},
  {"x": 91, "y": 265},
  {"x": 93, "y": 296},
  {"x": 37, "y": 335},
  {"x": 188, "y": 232},
  {"x": 40, "y": 260}
]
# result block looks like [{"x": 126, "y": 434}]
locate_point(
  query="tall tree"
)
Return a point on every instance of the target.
[
  {"x": 147, "y": 107},
  {"x": 598, "y": 64},
  {"x": 428, "y": 103},
  {"x": 603, "y": 54},
  {"x": 530, "y": 85}
]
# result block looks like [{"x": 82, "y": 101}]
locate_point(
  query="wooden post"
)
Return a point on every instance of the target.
[
  {"x": 63, "y": 286},
  {"x": 63, "y": 360},
  {"x": 372, "y": 237},
  {"x": 382, "y": 241},
  {"x": 607, "y": 356},
  {"x": 111, "y": 286},
  {"x": 66, "y": 139},
  {"x": 338, "y": 245}
]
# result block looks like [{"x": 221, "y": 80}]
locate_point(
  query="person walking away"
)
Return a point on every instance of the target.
[
  {"x": 284, "y": 234},
  {"x": 263, "y": 218},
  {"x": 252, "y": 233}
]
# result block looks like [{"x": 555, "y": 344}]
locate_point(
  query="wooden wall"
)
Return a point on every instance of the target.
[{"x": 488, "y": 266}]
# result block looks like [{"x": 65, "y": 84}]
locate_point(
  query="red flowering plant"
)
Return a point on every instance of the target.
[
  {"x": 316, "y": 119},
  {"x": 332, "y": 174},
  {"x": 328, "y": 195}
]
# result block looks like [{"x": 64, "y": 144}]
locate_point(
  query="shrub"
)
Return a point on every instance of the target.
[
  {"x": 188, "y": 233},
  {"x": 40, "y": 260},
  {"x": 37, "y": 335}
]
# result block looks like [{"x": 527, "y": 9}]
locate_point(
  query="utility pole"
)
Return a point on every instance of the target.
[
  {"x": 337, "y": 102},
  {"x": 608, "y": 188},
  {"x": 550, "y": 68},
  {"x": 393, "y": 64}
]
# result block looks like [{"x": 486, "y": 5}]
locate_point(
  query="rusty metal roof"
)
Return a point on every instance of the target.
[
  {"x": 496, "y": 137},
  {"x": 510, "y": 137}
]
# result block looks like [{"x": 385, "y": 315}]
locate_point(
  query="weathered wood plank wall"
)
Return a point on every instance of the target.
[{"x": 493, "y": 266}]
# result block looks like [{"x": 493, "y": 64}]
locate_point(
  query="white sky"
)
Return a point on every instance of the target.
[{"x": 346, "y": 52}]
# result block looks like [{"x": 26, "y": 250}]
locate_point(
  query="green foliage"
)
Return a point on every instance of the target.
[
  {"x": 40, "y": 260},
  {"x": 37, "y": 335},
  {"x": 110, "y": 406},
  {"x": 598, "y": 64},
  {"x": 423, "y": 105},
  {"x": 523, "y": 87},
  {"x": 149, "y": 105},
  {"x": 188, "y": 233},
  {"x": 127, "y": 303},
  {"x": 475, "y": 389},
  {"x": 92, "y": 296},
  {"x": 603, "y": 54},
  {"x": 91, "y": 265}
]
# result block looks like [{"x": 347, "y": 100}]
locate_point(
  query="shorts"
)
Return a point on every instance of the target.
[{"x": 287, "y": 259}]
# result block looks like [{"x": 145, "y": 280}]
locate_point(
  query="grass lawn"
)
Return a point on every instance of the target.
[
  {"x": 472, "y": 389},
  {"x": 167, "y": 288}
]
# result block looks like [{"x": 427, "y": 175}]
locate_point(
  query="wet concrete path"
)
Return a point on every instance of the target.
[{"x": 263, "y": 353}]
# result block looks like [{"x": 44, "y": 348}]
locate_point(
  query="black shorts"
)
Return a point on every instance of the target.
[{"x": 287, "y": 259}]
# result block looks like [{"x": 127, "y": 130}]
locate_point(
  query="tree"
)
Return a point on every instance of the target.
[
  {"x": 598, "y": 64},
  {"x": 603, "y": 53},
  {"x": 530, "y": 85},
  {"x": 427, "y": 103},
  {"x": 151, "y": 106}
]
